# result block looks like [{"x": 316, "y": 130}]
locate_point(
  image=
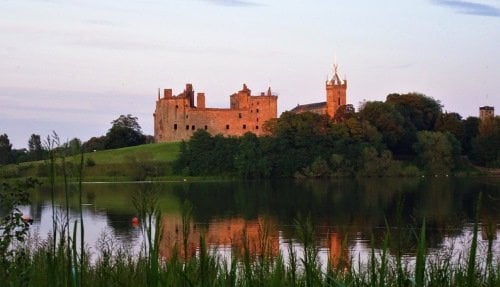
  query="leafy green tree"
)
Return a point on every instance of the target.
[
  {"x": 418, "y": 109},
  {"x": 363, "y": 131},
  {"x": 74, "y": 146},
  {"x": 94, "y": 144},
  {"x": 485, "y": 149},
  {"x": 471, "y": 130},
  {"x": 319, "y": 168},
  {"x": 200, "y": 149},
  {"x": 222, "y": 155},
  {"x": 419, "y": 113},
  {"x": 452, "y": 123},
  {"x": 298, "y": 139},
  {"x": 207, "y": 155},
  {"x": 5, "y": 150},
  {"x": 343, "y": 113},
  {"x": 435, "y": 152},
  {"x": 386, "y": 119},
  {"x": 377, "y": 164},
  {"x": 249, "y": 160},
  {"x": 35, "y": 149},
  {"x": 125, "y": 131}
]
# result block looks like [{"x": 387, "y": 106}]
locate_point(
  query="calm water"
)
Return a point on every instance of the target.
[{"x": 346, "y": 214}]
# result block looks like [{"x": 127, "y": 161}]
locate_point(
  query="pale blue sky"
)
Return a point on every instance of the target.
[{"x": 74, "y": 66}]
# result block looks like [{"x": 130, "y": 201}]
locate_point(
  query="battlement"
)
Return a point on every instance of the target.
[
  {"x": 177, "y": 117},
  {"x": 486, "y": 112}
]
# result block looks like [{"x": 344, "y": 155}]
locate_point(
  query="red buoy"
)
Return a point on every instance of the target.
[
  {"x": 27, "y": 219},
  {"x": 135, "y": 221}
]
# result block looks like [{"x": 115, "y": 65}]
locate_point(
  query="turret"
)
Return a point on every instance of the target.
[
  {"x": 189, "y": 93},
  {"x": 200, "y": 100},
  {"x": 240, "y": 100},
  {"x": 335, "y": 92},
  {"x": 167, "y": 93}
]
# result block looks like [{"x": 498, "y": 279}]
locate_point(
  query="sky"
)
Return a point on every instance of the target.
[{"x": 74, "y": 66}]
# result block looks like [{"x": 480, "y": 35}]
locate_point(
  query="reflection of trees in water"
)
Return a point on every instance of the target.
[
  {"x": 361, "y": 206},
  {"x": 121, "y": 225},
  {"x": 352, "y": 208}
]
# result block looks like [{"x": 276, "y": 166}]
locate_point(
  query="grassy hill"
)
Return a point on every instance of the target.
[
  {"x": 130, "y": 163},
  {"x": 160, "y": 152}
]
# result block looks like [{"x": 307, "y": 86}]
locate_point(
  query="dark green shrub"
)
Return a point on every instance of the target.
[{"x": 90, "y": 162}]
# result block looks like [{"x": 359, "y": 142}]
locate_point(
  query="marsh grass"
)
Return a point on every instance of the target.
[{"x": 116, "y": 265}]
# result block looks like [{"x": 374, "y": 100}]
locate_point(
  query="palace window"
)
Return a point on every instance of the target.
[
  {"x": 192, "y": 128},
  {"x": 206, "y": 127},
  {"x": 187, "y": 127},
  {"x": 339, "y": 101},
  {"x": 187, "y": 116},
  {"x": 227, "y": 127},
  {"x": 176, "y": 106},
  {"x": 257, "y": 110},
  {"x": 256, "y": 127},
  {"x": 175, "y": 126},
  {"x": 244, "y": 127},
  {"x": 239, "y": 115}
]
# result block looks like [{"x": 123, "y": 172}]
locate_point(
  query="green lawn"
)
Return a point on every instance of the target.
[{"x": 160, "y": 152}]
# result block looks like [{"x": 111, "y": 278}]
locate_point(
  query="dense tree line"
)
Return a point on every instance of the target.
[
  {"x": 406, "y": 135},
  {"x": 125, "y": 131}
]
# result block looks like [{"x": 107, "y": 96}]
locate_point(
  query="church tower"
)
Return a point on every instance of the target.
[{"x": 335, "y": 93}]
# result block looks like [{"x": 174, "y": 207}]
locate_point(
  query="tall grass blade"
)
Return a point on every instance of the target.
[
  {"x": 421, "y": 257},
  {"x": 471, "y": 263}
]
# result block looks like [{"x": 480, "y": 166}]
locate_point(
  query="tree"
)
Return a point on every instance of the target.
[
  {"x": 418, "y": 109},
  {"x": 386, "y": 119},
  {"x": 298, "y": 140},
  {"x": 435, "y": 152},
  {"x": 74, "y": 146},
  {"x": 249, "y": 159},
  {"x": 35, "y": 148},
  {"x": 5, "y": 150},
  {"x": 451, "y": 122},
  {"x": 363, "y": 131},
  {"x": 471, "y": 129},
  {"x": 485, "y": 149},
  {"x": 94, "y": 144},
  {"x": 419, "y": 113},
  {"x": 125, "y": 131},
  {"x": 343, "y": 113}
]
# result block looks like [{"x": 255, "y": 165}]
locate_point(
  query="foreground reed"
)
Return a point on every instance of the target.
[{"x": 114, "y": 265}]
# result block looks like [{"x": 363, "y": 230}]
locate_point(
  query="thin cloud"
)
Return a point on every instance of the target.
[
  {"x": 470, "y": 8},
  {"x": 99, "y": 22},
  {"x": 115, "y": 44},
  {"x": 234, "y": 3}
]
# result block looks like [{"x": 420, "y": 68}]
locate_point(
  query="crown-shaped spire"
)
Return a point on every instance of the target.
[{"x": 335, "y": 80}]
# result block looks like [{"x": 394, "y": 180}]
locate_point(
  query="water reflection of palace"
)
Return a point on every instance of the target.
[{"x": 262, "y": 237}]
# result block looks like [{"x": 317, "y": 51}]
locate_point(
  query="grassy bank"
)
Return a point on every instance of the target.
[{"x": 130, "y": 163}]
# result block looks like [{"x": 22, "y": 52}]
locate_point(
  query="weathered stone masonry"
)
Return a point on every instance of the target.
[{"x": 176, "y": 118}]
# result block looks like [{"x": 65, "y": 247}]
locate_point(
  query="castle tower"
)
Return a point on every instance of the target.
[
  {"x": 335, "y": 93},
  {"x": 486, "y": 112}
]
